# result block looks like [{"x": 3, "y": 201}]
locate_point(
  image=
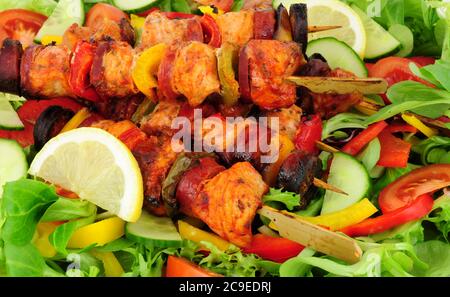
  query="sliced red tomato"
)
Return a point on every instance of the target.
[
  {"x": 20, "y": 24},
  {"x": 410, "y": 186},
  {"x": 178, "y": 15},
  {"x": 277, "y": 249},
  {"x": 309, "y": 132},
  {"x": 414, "y": 211},
  {"x": 359, "y": 142},
  {"x": 224, "y": 5},
  {"x": 29, "y": 113},
  {"x": 395, "y": 70},
  {"x": 147, "y": 12},
  {"x": 179, "y": 267},
  {"x": 397, "y": 127},
  {"x": 394, "y": 151},
  {"x": 101, "y": 11}
]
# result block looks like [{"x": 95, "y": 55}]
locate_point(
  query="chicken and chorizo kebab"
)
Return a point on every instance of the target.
[{"x": 96, "y": 65}]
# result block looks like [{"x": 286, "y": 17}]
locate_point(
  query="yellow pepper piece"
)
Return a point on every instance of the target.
[
  {"x": 137, "y": 22},
  {"x": 76, "y": 120},
  {"x": 110, "y": 263},
  {"x": 41, "y": 242},
  {"x": 197, "y": 235},
  {"x": 100, "y": 232},
  {"x": 214, "y": 12},
  {"x": 271, "y": 171},
  {"x": 415, "y": 122},
  {"x": 49, "y": 39},
  {"x": 338, "y": 220},
  {"x": 146, "y": 68}
]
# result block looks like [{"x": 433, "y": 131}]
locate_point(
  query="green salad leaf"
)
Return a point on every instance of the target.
[
  {"x": 343, "y": 121},
  {"x": 370, "y": 155},
  {"x": 44, "y": 7},
  {"x": 289, "y": 199},
  {"x": 434, "y": 150},
  {"x": 67, "y": 209},
  {"x": 437, "y": 255}
]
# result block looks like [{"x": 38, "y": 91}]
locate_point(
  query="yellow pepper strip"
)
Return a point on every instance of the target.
[
  {"x": 76, "y": 120},
  {"x": 146, "y": 68},
  {"x": 271, "y": 171},
  {"x": 41, "y": 242},
  {"x": 214, "y": 12},
  {"x": 190, "y": 232},
  {"x": 100, "y": 232},
  {"x": 415, "y": 122},
  {"x": 338, "y": 220},
  {"x": 49, "y": 39},
  {"x": 110, "y": 263},
  {"x": 137, "y": 22}
]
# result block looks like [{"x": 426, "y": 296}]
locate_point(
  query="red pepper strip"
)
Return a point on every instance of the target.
[
  {"x": 80, "y": 67},
  {"x": 309, "y": 132},
  {"x": 394, "y": 151},
  {"x": 401, "y": 127},
  {"x": 211, "y": 31},
  {"x": 178, "y": 15},
  {"x": 275, "y": 249},
  {"x": 366, "y": 136},
  {"x": 147, "y": 12},
  {"x": 414, "y": 211}
]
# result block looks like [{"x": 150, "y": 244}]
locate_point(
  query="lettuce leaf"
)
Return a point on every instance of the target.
[
  {"x": 437, "y": 255},
  {"x": 289, "y": 199},
  {"x": 44, "y": 7}
]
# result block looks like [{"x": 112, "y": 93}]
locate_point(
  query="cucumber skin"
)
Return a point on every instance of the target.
[
  {"x": 162, "y": 243},
  {"x": 364, "y": 70},
  {"x": 137, "y": 10},
  {"x": 365, "y": 195},
  {"x": 19, "y": 163}
]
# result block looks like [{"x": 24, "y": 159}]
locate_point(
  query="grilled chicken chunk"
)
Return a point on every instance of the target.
[
  {"x": 106, "y": 29},
  {"x": 228, "y": 202},
  {"x": 270, "y": 62},
  {"x": 195, "y": 72},
  {"x": 159, "y": 122},
  {"x": 236, "y": 27},
  {"x": 160, "y": 29},
  {"x": 45, "y": 72},
  {"x": 289, "y": 119},
  {"x": 112, "y": 68}
]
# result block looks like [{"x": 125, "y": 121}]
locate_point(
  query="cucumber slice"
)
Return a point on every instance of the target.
[
  {"x": 13, "y": 162},
  {"x": 406, "y": 38},
  {"x": 338, "y": 55},
  {"x": 349, "y": 175},
  {"x": 379, "y": 42},
  {"x": 155, "y": 231},
  {"x": 135, "y": 5},
  {"x": 9, "y": 120},
  {"x": 65, "y": 14}
]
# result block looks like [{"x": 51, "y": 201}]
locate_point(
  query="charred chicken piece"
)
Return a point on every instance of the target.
[
  {"x": 10, "y": 57},
  {"x": 159, "y": 122},
  {"x": 289, "y": 119},
  {"x": 160, "y": 29},
  {"x": 45, "y": 72},
  {"x": 112, "y": 68},
  {"x": 236, "y": 27},
  {"x": 228, "y": 202},
  {"x": 191, "y": 181},
  {"x": 195, "y": 72},
  {"x": 297, "y": 174},
  {"x": 270, "y": 62},
  {"x": 106, "y": 29}
]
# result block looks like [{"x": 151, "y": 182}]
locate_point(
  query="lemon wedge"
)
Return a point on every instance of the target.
[
  {"x": 97, "y": 167},
  {"x": 333, "y": 13}
]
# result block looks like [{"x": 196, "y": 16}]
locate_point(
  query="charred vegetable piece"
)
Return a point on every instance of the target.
[
  {"x": 49, "y": 124},
  {"x": 227, "y": 60},
  {"x": 182, "y": 164},
  {"x": 297, "y": 174},
  {"x": 298, "y": 17},
  {"x": 10, "y": 57},
  {"x": 283, "y": 30}
]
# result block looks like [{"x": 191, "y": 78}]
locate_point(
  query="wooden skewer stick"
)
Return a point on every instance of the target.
[
  {"x": 312, "y": 29},
  {"x": 310, "y": 235},
  {"x": 321, "y": 184},
  {"x": 337, "y": 85},
  {"x": 326, "y": 148}
]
